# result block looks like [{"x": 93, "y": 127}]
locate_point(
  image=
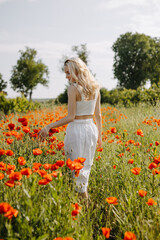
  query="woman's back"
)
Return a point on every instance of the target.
[{"x": 84, "y": 106}]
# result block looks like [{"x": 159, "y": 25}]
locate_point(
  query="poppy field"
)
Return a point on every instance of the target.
[{"x": 37, "y": 193}]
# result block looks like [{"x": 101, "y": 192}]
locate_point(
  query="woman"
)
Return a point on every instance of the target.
[{"x": 82, "y": 134}]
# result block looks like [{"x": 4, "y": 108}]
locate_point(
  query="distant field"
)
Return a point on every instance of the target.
[{"x": 42, "y": 99}]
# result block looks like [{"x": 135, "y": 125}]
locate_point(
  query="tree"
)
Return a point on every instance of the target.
[
  {"x": 81, "y": 52},
  {"x": 154, "y": 75},
  {"x": 3, "y": 84},
  {"x": 28, "y": 73},
  {"x": 133, "y": 54}
]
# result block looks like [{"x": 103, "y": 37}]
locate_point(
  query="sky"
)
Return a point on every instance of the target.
[{"x": 52, "y": 27}]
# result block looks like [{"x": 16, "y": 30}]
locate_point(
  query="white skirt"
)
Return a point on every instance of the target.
[{"x": 80, "y": 141}]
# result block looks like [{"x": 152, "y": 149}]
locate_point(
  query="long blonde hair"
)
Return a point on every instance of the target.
[{"x": 82, "y": 76}]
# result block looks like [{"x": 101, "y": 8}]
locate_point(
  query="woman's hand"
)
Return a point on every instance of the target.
[
  {"x": 43, "y": 133},
  {"x": 99, "y": 142}
]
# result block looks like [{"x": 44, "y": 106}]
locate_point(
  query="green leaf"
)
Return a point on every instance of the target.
[{"x": 43, "y": 237}]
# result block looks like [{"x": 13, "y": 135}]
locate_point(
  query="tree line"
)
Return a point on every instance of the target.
[{"x": 136, "y": 61}]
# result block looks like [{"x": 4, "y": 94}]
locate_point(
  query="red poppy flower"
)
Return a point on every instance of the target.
[
  {"x": 121, "y": 155},
  {"x": 21, "y": 161},
  {"x": 76, "y": 206},
  {"x": 54, "y": 167},
  {"x": 12, "y": 212},
  {"x": 1, "y": 176},
  {"x": 151, "y": 202},
  {"x": 99, "y": 149},
  {"x": 25, "y": 123},
  {"x": 157, "y": 143},
  {"x": 2, "y": 166},
  {"x": 2, "y": 152},
  {"x": 9, "y": 152},
  {"x": 112, "y": 200},
  {"x": 4, "y": 207},
  {"x": 106, "y": 232},
  {"x": 142, "y": 193},
  {"x": 15, "y": 176},
  {"x": 60, "y": 145},
  {"x": 54, "y": 174},
  {"x": 130, "y": 161},
  {"x": 77, "y": 166},
  {"x": 129, "y": 236},
  {"x": 11, "y": 126},
  {"x": 26, "y": 171},
  {"x": 11, "y": 167},
  {"x": 136, "y": 171},
  {"x": 26, "y": 129},
  {"x": 152, "y": 165},
  {"x": 35, "y": 130},
  {"x": 75, "y": 213},
  {"x": 43, "y": 182},
  {"x": 9, "y": 141},
  {"x": 36, "y": 166},
  {"x": 60, "y": 163},
  {"x": 140, "y": 132},
  {"x": 37, "y": 151},
  {"x": 41, "y": 172},
  {"x": 111, "y": 141},
  {"x": 10, "y": 183},
  {"x": 22, "y": 119},
  {"x": 155, "y": 171},
  {"x": 47, "y": 166},
  {"x": 70, "y": 164},
  {"x": 113, "y": 130},
  {"x": 77, "y": 173}
]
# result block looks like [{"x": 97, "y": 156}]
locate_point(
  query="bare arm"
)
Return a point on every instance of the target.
[
  {"x": 69, "y": 118},
  {"x": 99, "y": 120}
]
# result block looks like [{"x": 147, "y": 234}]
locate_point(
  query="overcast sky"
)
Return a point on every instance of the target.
[{"x": 52, "y": 27}]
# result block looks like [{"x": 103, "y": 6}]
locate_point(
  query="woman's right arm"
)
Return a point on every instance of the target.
[
  {"x": 98, "y": 120},
  {"x": 63, "y": 121}
]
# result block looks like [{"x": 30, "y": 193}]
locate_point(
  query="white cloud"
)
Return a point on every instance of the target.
[
  {"x": 114, "y": 4},
  {"x": 33, "y": 1},
  {"x": 48, "y": 48},
  {"x": 3, "y": 1}
]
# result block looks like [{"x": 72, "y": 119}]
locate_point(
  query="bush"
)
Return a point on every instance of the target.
[
  {"x": 19, "y": 104},
  {"x": 130, "y": 97},
  {"x": 122, "y": 97},
  {"x": 62, "y": 98}
]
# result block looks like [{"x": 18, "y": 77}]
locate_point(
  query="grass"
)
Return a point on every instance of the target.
[{"x": 44, "y": 211}]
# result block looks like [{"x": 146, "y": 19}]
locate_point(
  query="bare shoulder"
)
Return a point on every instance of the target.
[
  {"x": 98, "y": 93},
  {"x": 72, "y": 89}
]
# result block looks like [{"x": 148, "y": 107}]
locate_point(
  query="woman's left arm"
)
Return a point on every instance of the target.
[{"x": 69, "y": 118}]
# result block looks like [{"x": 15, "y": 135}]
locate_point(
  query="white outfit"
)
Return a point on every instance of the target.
[{"x": 81, "y": 139}]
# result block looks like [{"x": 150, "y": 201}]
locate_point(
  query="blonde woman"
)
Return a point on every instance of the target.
[{"x": 82, "y": 135}]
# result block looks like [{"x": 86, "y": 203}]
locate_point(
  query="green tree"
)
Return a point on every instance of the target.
[
  {"x": 3, "y": 84},
  {"x": 80, "y": 51},
  {"x": 154, "y": 75},
  {"x": 28, "y": 73},
  {"x": 133, "y": 54}
]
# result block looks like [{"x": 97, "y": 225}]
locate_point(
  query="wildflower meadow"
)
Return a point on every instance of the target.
[{"x": 37, "y": 193}]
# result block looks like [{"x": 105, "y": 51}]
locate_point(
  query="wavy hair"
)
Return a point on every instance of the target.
[{"x": 82, "y": 76}]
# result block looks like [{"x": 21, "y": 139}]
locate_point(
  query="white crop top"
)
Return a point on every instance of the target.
[{"x": 85, "y": 107}]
